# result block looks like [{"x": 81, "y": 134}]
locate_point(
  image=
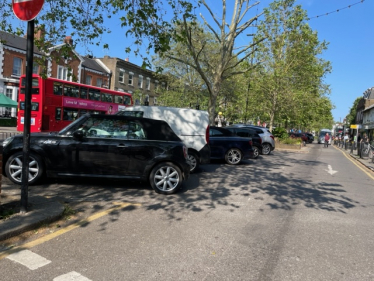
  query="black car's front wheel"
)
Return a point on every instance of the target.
[
  {"x": 13, "y": 168},
  {"x": 233, "y": 156},
  {"x": 166, "y": 178}
]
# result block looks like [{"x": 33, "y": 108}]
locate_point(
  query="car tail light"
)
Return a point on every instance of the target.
[
  {"x": 272, "y": 136},
  {"x": 260, "y": 140},
  {"x": 185, "y": 152},
  {"x": 207, "y": 135}
]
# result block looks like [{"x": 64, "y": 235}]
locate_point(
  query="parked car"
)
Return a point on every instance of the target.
[
  {"x": 302, "y": 136},
  {"x": 107, "y": 146},
  {"x": 228, "y": 146},
  {"x": 249, "y": 133},
  {"x": 190, "y": 125},
  {"x": 268, "y": 142},
  {"x": 310, "y": 137}
]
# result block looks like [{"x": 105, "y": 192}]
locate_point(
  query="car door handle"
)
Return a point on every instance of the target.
[{"x": 121, "y": 145}]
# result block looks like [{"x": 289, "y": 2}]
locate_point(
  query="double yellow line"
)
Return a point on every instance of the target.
[{"x": 50, "y": 236}]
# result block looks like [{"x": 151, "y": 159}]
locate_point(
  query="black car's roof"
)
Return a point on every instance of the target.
[{"x": 156, "y": 129}]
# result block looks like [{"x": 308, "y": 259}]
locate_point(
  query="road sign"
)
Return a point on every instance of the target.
[{"x": 27, "y": 10}]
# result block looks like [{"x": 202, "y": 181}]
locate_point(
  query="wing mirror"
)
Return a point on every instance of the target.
[{"x": 79, "y": 134}]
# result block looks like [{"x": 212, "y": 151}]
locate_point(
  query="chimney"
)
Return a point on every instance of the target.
[
  {"x": 68, "y": 40},
  {"x": 39, "y": 32},
  {"x": 126, "y": 59}
]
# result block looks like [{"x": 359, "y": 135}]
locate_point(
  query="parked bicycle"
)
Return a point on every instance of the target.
[{"x": 368, "y": 151}]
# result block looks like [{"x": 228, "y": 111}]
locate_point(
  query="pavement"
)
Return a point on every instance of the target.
[{"x": 45, "y": 210}]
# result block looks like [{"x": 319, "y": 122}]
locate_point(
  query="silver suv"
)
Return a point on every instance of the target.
[{"x": 268, "y": 143}]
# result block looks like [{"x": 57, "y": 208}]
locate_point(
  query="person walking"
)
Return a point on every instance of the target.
[
  {"x": 327, "y": 138},
  {"x": 220, "y": 120}
]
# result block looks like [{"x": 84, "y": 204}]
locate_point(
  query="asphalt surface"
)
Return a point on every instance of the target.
[{"x": 44, "y": 210}]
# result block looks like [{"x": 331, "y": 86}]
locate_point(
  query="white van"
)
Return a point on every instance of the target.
[
  {"x": 321, "y": 137},
  {"x": 191, "y": 125}
]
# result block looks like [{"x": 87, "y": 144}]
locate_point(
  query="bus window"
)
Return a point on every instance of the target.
[
  {"x": 57, "y": 88},
  {"x": 126, "y": 100},
  {"x": 70, "y": 114},
  {"x": 58, "y": 113},
  {"x": 118, "y": 99},
  {"x": 84, "y": 93},
  {"x": 71, "y": 91},
  {"x": 82, "y": 112},
  {"x": 94, "y": 94},
  {"x": 106, "y": 97},
  {"x": 35, "y": 82},
  {"x": 34, "y": 106}
]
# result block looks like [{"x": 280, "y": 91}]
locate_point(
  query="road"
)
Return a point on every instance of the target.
[{"x": 286, "y": 216}]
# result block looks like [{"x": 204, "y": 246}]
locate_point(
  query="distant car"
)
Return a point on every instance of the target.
[
  {"x": 228, "y": 146},
  {"x": 268, "y": 142},
  {"x": 249, "y": 133},
  {"x": 302, "y": 136},
  {"x": 310, "y": 137},
  {"x": 106, "y": 146}
]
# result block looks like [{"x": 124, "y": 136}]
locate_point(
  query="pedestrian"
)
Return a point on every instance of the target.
[
  {"x": 327, "y": 138},
  {"x": 346, "y": 138},
  {"x": 220, "y": 120}
]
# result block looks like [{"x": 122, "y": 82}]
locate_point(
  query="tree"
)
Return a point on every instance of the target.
[
  {"x": 227, "y": 56},
  {"x": 351, "y": 117},
  {"x": 86, "y": 21},
  {"x": 291, "y": 73}
]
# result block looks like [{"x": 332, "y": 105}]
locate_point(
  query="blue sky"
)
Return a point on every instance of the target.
[{"x": 350, "y": 33}]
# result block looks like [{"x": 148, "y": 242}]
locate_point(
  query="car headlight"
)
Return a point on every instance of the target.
[{"x": 7, "y": 141}]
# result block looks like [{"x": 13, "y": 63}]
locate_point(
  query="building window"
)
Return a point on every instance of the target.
[
  {"x": 88, "y": 79},
  {"x": 35, "y": 68},
  {"x": 121, "y": 77},
  {"x": 140, "y": 81},
  {"x": 148, "y": 84},
  {"x": 63, "y": 73},
  {"x": 99, "y": 82},
  {"x": 154, "y": 101},
  {"x": 131, "y": 77},
  {"x": 156, "y": 84},
  {"x": 17, "y": 67}
]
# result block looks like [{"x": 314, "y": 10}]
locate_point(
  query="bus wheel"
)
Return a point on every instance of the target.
[{"x": 13, "y": 168}]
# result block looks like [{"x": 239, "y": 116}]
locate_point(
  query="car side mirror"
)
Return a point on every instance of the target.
[{"x": 79, "y": 134}]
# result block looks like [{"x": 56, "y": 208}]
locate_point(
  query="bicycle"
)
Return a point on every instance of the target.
[{"x": 368, "y": 150}]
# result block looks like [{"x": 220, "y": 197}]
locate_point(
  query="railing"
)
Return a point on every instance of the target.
[{"x": 5, "y": 135}]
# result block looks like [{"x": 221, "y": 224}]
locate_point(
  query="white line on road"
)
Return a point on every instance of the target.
[
  {"x": 29, "y": 259},
  {"x": 71, "y": 276},
  {"x": 330, "y": 170}
]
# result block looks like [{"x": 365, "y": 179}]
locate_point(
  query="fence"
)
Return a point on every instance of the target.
[{"x": 5, "y": 135}]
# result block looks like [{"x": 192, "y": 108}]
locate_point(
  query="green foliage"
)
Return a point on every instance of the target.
[
  {"x": 290, "y": 141},
  {"x": 351, "y": 117},
  {"x": 8, "y": 122},
  {"x": 280, "y": 133}
]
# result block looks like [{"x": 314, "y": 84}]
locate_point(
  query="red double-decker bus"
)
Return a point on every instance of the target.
[{"x": 56, "y": 103}]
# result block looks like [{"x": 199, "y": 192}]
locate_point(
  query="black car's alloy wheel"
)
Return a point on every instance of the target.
[
  {"x": 166, "y": 178},
  {"x": 233, "y": 156},
  {"x": 13, "y": 167}
]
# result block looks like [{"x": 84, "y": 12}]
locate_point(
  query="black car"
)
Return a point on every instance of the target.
[
  {"x": 310, "y": 137},
  {"x": 249, "y": 133},
  {"x": 228, "y": 146},
  {"x": 108, "y": 146}
]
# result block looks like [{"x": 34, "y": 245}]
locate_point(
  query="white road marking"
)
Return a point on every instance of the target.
[
  {"x": 29, "y": 259},
  {"x": 330, "y": 170},
  {"x": 71, "y": 276}
]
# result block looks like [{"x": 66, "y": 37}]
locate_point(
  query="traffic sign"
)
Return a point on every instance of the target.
[{"x": 27, "y": 10}]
